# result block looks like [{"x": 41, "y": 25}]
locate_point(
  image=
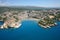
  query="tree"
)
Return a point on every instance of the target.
[
  {"x": 0, "y": 17},
  {"x": 4, "y": 19}
]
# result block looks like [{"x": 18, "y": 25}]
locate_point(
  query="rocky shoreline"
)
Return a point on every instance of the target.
[
  {"x": 12, "y": 25},
  {"x": 18, "y": 24},
  {"x": 48, "y": 26}
]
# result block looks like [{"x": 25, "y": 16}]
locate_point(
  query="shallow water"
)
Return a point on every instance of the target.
[{"x": 30, "y": 30}]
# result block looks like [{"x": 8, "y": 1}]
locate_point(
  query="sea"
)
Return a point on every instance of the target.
[{"x": 30, "y": 30}]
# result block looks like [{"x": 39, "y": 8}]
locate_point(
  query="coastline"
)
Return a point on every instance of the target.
[
  {"x": 48, "y": 26},
  {"x": 12, "y": 25},
  {"x": 18, "y": 24}
]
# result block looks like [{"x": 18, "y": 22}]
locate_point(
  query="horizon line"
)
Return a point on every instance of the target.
[{"x": 25, "y": 6}]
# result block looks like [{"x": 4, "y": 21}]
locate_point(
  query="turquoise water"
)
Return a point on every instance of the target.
[{"x": 30, "y": 30}]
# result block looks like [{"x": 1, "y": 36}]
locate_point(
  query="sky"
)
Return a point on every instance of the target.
[{"x": 39, "y": 3}]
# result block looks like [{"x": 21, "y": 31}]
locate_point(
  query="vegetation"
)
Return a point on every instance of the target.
[
  {"x": 57, "y": 16},
  {"x": 0, "y": 17},
  {"x": 16, "y": 18},
  {"x": 4, "y": 19},
  {"x": 47, "y": 21}
]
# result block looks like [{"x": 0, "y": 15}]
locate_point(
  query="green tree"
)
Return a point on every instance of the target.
[{"x": 0, "y": 17}]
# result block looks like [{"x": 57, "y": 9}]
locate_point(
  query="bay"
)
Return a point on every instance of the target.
[{"x": 30, "y": 30}]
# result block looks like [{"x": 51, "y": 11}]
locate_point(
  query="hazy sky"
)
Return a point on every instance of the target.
[{"x": 40, "y": 3}]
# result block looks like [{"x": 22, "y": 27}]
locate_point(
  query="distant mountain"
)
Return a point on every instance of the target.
[{"x": 27, "y": 7}]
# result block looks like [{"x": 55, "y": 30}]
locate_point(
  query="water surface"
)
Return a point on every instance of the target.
[{"x": 30, "y": 30}]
